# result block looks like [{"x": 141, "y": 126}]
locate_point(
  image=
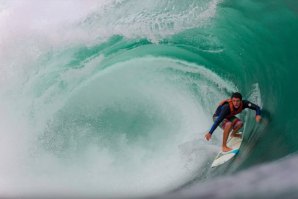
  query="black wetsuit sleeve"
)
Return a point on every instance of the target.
[
  {"x": 225, "y": 111},
  {"x": 250, "y": 105}
]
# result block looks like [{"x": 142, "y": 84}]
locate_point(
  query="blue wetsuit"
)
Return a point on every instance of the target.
[{"x": 224, "y": 110}]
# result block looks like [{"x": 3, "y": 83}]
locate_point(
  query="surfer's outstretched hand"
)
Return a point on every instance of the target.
[
  {"x": 208, "y": 136},
  {"x": 258, "y": 118}
]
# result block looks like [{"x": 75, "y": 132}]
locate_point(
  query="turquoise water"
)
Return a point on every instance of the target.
[{"x": 113, "y": 98}]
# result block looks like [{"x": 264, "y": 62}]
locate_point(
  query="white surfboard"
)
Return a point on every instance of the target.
[{"x": 221, "y": 158}]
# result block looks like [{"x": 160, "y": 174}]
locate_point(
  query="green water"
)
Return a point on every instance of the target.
[{"x": 108, "y": 102}]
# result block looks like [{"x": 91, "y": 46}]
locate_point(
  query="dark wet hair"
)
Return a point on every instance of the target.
[{"x": 237, "y": 95}]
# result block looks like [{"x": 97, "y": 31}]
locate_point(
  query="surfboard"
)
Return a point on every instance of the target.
[{"x": 221, "y": 158}]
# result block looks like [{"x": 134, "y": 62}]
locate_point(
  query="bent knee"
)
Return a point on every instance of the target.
[
  {"x": 228, "y": 125},
  {"x": 239, "y": 124}
]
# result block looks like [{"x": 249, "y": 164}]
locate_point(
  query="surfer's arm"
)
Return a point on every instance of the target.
[
  {"x": 224, "y": 112},
  {"x": 250, "y": 105}
]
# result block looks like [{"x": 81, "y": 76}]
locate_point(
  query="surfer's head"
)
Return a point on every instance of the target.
[{"x": 236, "y": 99}]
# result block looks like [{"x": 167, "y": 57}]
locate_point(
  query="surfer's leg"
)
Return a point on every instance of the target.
[
  {"x": 237, "y": 124},
  {"x": 227, "y": 128}
]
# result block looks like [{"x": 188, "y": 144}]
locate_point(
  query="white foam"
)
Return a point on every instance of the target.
[
  {"x": 151, "y": 19},
  {"x": 33, "y": 28},
  {"x": 124, "y": 86}
]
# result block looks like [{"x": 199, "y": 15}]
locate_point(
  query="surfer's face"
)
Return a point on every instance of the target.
[{"x": 236, "y": 102}]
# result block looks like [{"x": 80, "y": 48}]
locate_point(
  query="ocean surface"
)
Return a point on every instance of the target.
[{"x": 112, "y": 98}]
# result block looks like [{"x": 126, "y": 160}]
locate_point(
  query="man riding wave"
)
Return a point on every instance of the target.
[{"x": 224, "y": 117}]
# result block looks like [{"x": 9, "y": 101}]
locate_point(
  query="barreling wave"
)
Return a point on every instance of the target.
[{"x": 118, "y": 98}]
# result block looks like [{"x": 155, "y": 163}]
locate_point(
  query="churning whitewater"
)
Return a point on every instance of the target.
[{"x": 112, "y": 98}]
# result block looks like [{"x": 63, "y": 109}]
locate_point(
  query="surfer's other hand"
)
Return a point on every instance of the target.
[
  {"x": 208, "y": 136},
  {"x": 258, "y": 118}
]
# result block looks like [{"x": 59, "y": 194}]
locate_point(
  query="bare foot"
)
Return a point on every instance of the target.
[
  {"x": 236, "y": 135},
  {"x": 226, "y": 149}
]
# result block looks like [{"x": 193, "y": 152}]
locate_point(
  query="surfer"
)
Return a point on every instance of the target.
[{"x": 224, "y": 117}]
